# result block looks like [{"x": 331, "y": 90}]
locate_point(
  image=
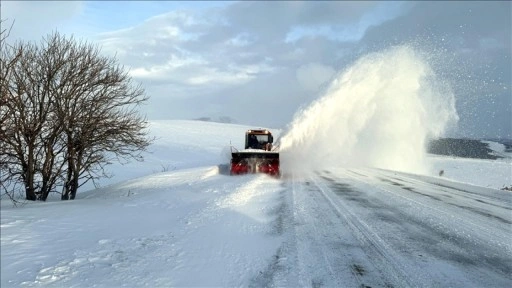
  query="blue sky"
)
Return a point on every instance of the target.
[
  {"x": 244, "y": 59},
  {"x": 88, "y": 18},
  {"x": 113, "y": 15}
]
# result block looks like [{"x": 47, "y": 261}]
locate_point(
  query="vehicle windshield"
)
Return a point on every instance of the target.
[
  {"x": 262, "y": 138},
  {"x": 257, "y": 141}
]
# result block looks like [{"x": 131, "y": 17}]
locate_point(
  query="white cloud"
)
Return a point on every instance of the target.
[
  {"x": 273, "y": 51},
  {"x": 34, "y": 19},
  {"x": 313, "y": 75},
  {"x": 242, "y": 40}
]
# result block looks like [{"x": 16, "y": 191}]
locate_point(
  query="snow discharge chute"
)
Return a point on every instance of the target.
[{"x": 380, "y": 112}]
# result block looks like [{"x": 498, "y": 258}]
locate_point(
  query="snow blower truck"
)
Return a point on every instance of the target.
[{"x": 258, "y": 156}]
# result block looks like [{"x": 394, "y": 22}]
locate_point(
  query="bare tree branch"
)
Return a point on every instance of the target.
[{"x": 67, "y": 113}]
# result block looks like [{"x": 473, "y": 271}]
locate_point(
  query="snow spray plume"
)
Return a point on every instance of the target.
[{"x": 379, "y": 113}]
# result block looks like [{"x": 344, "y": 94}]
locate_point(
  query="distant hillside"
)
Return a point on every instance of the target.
[
  {"x": 506, "y": 142},
  {"x": 466, "y": 148},
  {"x": 222, "y": 119}
]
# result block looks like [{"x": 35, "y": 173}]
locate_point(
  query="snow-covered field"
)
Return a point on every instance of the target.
[{"x": 174, "y": 220}]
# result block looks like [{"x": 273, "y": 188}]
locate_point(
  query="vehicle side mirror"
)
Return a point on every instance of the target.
[{"x": 271, "y": 139}]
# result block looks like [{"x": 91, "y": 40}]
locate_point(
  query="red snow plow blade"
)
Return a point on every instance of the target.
[
  {"x": 258, "y": 156},
  {"x": 245, "y": 162}
]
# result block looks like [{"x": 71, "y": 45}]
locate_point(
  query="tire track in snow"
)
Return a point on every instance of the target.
[
  {"x": 476, "y": 199},
  {"x": 382, "y": 257},
  {"x": 325, "y": 247},
  {"x": 485, "y": 218},
  {"x": 431, "y": 233}
]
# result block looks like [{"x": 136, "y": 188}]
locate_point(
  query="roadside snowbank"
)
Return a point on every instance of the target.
[{"x": 188, "y": 226}]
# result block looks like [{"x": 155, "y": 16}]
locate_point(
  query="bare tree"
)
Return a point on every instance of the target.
[
  {"x": 96, "y": 106},
  {"x": 31, "y": 130},
  {"x": 70, "y": 112},
  {"x": 6, "y": 62}
]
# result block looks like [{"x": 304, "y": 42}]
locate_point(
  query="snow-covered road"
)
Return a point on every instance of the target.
[
  {"x": 375, "y": 228},
  {"x": 196, "y": 227}
]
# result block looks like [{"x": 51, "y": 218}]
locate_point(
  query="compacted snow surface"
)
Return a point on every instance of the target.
[{"x": 178, "y": 219}]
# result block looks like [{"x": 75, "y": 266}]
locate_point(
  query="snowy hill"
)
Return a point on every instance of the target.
[
  {"x": 182, "y": 144},
  {"x": 174, "y": 220},
  {"x": 468, "y": 148}
]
